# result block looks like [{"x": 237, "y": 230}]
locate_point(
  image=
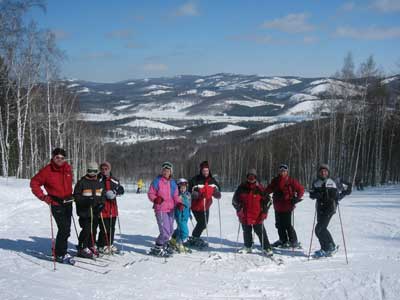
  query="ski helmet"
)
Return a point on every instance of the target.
[{"x": 182, "y": 181}]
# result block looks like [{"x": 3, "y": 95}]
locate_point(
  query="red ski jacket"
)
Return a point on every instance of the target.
[
  {"x": 57, "y": 181},
  {"x": 110, "y": 207},
  {"x": 250, "y": 201},
  {"x": 284, "y": 189},
  {"x": 205, "y": 188}
]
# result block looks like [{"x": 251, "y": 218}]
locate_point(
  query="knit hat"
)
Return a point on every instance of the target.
[
  {"x": 92, "y": 168},
  {"x": 251, "y": 172},
  {"x": 323, "y": 166},
  {"x": 107, "y": 164},
  {"x": 204, "y": 165},
  {"x": 167, "y": 165},
  {"x": 283, "y": 167},
  {"x": 59, "y": 151}
]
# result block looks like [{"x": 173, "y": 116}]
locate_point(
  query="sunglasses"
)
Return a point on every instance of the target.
[
  {"x": 59, "y": 157},
  {"x": 91, "y": 171}
]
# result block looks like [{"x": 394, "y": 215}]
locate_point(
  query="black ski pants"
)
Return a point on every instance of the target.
[
  {"x": 87, "y": 236},
  {"x": 286, "y": 232},
  {"x": 62, "y": 215},
  {"x": 201, "y": 222},
  {"x": 322, "y": 232},
  {"x": 106, "y": 235},
  {"x": 259, "y": 229}
]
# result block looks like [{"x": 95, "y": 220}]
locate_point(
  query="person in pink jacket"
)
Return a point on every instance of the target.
[{"x": 164, "y": 194}]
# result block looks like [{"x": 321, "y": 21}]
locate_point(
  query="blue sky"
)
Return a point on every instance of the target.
[{"x": 109, "y": 41}]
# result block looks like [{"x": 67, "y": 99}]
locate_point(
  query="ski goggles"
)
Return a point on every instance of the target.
[{"x": 283, "y": 168}]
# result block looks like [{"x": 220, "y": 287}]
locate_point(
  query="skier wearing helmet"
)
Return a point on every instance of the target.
[{"x": 181, "y": 233}]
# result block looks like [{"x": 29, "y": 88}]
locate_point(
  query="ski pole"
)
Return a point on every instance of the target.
[
  {"x": 76, "y": 230},
  {"x": 293, "y": 227},
  {"x": 105, "y": 232},
  {"x": 344, "y": 242},
  {"x": 91, "y": 225},
  {"x": 120, "y": 236},
  {"x": 119, "y": 227},
  {"x": 205, "y": 219},
  {"x": 110, "y": 232},
  {"x": 53, "y": 248},
  {"x": 220, "y": 226},
  {"x": 237, "y": 239},
  {"x": 312, "y": 234}
]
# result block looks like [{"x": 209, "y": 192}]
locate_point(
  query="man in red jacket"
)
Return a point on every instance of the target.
[
  {"x": 56, "y": 179},
  {"x": 252, "y": 204},
  {"x": 287, "y": 192}
]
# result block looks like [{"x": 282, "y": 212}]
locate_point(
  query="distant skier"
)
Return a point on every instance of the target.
[
  {"x": 327, "y": 192},
  {"x": 359, "y": 184},
  {"x": 181, "y": 233},
  {"x": 164, "y": 194},
  {"x": 203, "y": 188},
  {"x": 56, "y": 178},
  {"x": 89, "y": 194},
  {"x": 252, "y": 204},
  {"x": 109, "y": 214},
  {"x": 139, "y": 186},
  {"x": 287, "y": 192}
]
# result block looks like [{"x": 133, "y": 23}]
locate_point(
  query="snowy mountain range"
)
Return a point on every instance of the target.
[{"x": 168, "y": 108}]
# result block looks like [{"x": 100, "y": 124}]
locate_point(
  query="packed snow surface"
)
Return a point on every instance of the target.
[{"x": 371, "y": 226}]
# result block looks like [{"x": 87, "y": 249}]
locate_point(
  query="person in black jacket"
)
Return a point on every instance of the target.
[
  {"x": 203, "y": 187},
  {"x": 89, "y": 194},
  {"x": 327, "y": 192}
]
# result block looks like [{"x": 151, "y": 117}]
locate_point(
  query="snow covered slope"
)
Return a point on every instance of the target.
[{"x": 371, "y": 224}]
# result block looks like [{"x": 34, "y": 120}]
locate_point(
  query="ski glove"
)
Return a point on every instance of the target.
[
  {"x": 315, "y": 195},
  {"x": 120, "y": 190},
  {"x": 295, "y": 200},
  {"x": 216, "y": 194},
  {"x": 262, "y": 217},
  {"x": 49, "y": 200},
  {"x": 240, "y": 215},
  {"x": 158, "y": 200},
  {"x": 180, "y": 206},
  {"x": 195, "y": 195},
  {"x": 110, "y": 195}
]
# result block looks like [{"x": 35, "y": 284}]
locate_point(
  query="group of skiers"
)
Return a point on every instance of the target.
[{"x": 95, "y": 197}]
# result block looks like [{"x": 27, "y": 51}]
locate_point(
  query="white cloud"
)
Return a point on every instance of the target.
[
  {"x": 154, "y": 67},
  {"x": 292, "y": 23},
  {"x": 386, "y": 6},
  {"x": 370, "y": 33},
  {"x": 188, "y": 9}
]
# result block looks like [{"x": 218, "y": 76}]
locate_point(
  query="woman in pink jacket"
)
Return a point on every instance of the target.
[{"x": 164, "y": 194}]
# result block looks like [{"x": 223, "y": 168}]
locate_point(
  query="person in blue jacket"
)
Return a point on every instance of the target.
[{"x": 181, "y": 233}]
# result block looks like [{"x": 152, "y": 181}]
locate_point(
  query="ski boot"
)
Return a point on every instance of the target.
[
  {"x": 295, "y": 245},
  {"x": 95, "y": 251},
  {"x": 268, "y": 252},
  {"x": 114, "y": 249},
  {"x": 245, "y": 250},
  {"x": 158, "y": 250},
  {"x": 66, "y": 259},
  {"x": 85, "y": 253},
  {"x": 277, "y": 244}
]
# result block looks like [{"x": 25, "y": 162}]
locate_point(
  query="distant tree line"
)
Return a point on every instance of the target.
[
  {"x": 357, "y": 136},
  {"x": 37, "y": 113}
]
